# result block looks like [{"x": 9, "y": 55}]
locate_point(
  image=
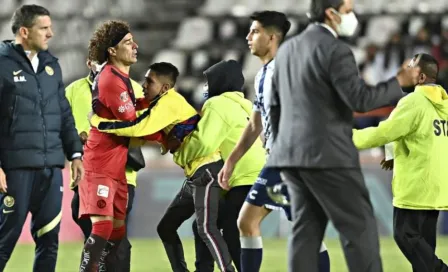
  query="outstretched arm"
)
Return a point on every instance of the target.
[
  {"x": 355, "y": 93},
  {"x": 150, "y": 122},
  {"x": 402, "y": 121}
]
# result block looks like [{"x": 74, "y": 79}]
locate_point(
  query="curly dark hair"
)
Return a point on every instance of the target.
[{"x": 108, "y": 34}]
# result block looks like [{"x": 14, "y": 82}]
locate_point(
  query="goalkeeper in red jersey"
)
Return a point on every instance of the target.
[
  {"x": 200, "y": 154},
  {"x": 103, "y": 191}
]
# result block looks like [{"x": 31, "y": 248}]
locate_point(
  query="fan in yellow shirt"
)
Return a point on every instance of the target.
[{"x": 418, "y": 128}]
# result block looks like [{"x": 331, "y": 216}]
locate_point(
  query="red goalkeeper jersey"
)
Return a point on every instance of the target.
[{"x": 112, "y": 98}]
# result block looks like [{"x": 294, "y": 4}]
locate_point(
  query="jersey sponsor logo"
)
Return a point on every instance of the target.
[
  {"x": 124, "y": 96},
  {"x": 440, "y": 127},
  {"x": 125, "y": 107},
  {"x": 102, "y": 191},
  {"x": 15, "y": 73},
  {"x": 253, "y": 194},
  {"x": 262, "y": 181}
]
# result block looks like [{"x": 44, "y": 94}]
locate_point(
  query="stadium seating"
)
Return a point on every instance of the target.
[
  {"x": 194, "y": 34},
  {"x": 93, "y": 9},
  {"x": 8, "y": 7},
  {"x": 380, "y": 28},
  {"x": 176, "y": 57},
  {"x": 216, "y": 7},
  {"x": 5, "y": 31},
  {"x": 244, "y": 8},
  {"x": 73, "y": 61}
]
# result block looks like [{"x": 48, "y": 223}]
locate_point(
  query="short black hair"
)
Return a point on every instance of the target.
[
  {"x": 318, "y": 7},
  {"x": 428, "y": 65},
  {"x": 272, "y": 19},
  {"x": 26, "y": 15},
  {"x": 165, "y": 69}
]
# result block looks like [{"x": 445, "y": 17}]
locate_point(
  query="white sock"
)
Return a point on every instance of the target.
[
  {"x": 323, "y": 247},
  {"x": 251, "y": 242}
]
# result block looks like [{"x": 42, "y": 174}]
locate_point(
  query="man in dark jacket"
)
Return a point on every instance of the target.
[
  {"x": 314, "y": 94},
  {"x": 37, "y": 133}
]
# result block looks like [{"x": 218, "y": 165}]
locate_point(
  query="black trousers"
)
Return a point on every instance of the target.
[
  {"x": 124, "y": 250},
  {"x": 38, "y": 191},
  {"x": 229, "y": 210},
  {"x": 207, "y": 194},
  {"x": 182, "y": 208},
  {"x": 415, "y": 233},
  {"x": 339, "y": 195}
]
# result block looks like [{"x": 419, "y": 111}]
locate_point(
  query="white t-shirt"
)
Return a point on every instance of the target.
[{"x": 34, "y": 61}]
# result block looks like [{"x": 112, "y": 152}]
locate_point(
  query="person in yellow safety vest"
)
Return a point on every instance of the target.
[
  {"x": 417, "y": 129},
  {"x": 79, "y": 97}
]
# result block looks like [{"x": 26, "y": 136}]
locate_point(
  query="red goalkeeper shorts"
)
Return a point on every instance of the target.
[{"x": 102, "y": 195}]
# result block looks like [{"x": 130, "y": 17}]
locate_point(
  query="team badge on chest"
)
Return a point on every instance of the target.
[
  {"x": 49, "y": 70},
  {"x": 9, "y": 201},
  {"x": 124, "y": 96}
]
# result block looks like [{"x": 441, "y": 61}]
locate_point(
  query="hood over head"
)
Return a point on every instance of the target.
[{"x": 225, "y": 76}]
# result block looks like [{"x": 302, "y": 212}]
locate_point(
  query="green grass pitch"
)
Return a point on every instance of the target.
[{"x": 149, "y": 256}]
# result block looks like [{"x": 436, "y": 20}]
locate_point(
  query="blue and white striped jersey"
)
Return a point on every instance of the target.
[{"x": 263, "y": 87}]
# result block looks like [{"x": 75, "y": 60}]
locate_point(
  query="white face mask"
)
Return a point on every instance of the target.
[
  {"x": 205, "y": 91},
  {"x": 348, "y": 24}
]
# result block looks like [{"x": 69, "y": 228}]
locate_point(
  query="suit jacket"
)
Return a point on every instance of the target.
[{"x": 316, "y": 89}]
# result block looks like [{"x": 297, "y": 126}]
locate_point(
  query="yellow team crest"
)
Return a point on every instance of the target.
[
  {"x": 49, "y": 70},
  {"x": 9, "y": 201}
]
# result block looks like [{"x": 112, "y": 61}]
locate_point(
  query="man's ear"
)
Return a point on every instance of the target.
[
  {"x": 23, "y": 32},
  {"x": 276, "y": 37},
  {"x": 112, "y": 51},
  {"x": 89, "y": 64},
  {"x": 422, "y": 78},
  {"x": 166, "y": 87},
  {"x": 333, "y": 15}
]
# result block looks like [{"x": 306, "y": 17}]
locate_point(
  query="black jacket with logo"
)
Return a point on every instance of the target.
[{"x": 37, "y": 128}]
